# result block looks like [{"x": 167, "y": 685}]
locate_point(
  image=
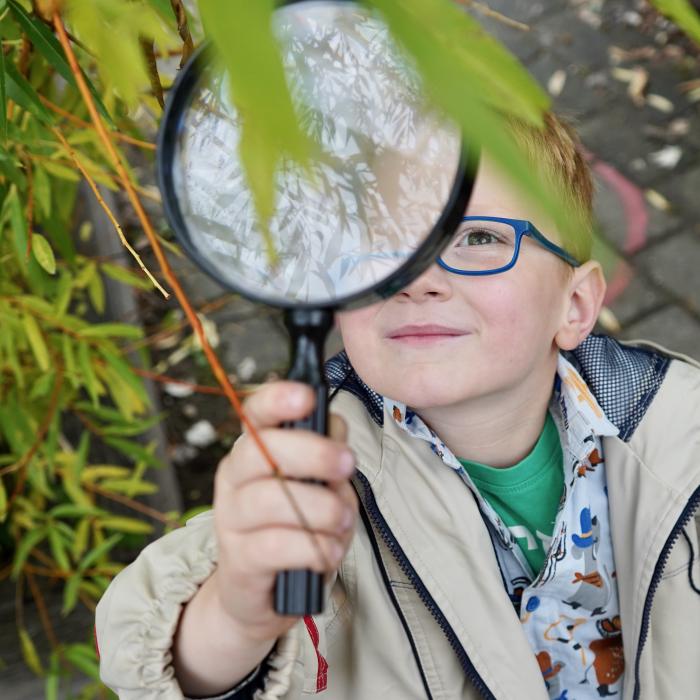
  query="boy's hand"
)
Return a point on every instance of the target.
[
  {"x": 258, "y": 532},
  {"x": 230, "y": 625}
]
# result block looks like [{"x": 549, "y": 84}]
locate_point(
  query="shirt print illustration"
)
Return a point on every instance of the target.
[{"x": 569, "y": 609}]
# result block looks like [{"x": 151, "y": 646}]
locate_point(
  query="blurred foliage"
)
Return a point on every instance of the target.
[{"x": 58, "y": 368}]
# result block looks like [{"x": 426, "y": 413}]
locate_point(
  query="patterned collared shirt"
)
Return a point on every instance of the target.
[{"x": 569, "y": 609}]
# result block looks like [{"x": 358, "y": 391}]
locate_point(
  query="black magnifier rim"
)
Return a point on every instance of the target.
[{"x": 425, "y": 255}]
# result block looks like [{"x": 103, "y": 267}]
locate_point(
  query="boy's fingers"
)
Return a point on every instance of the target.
[
  {"x": 277, "y": 402},
  {"x": 265, "y": 503},
  {"x": 277, "y": 549},
  {"x": 299, "y": 454}
]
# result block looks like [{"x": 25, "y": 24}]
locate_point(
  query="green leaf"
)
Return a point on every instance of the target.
[
  {"x": 683, "y": 14},
  {"x": 84, "y": 658},
  {"x": 126, "y": 375},
  {"x": 96, "y": 292},
  {"x": 42, "y": 386},
  {"x": 104, "y": 471},
  {"x": 122, "y": 274},
  {"x": 49, "y": 46},
  {"x": 42, "y": 191},
  {"x": 52, "y": 678},
  {"x": 3, "y": 502},
  {"x": 113, "y": 30},
  {"x": 70, "y": 510},
  {"x": 36, "y": 342},
  {"x": 61, "y": 171},
  {"x": 112, "y": 330},
  {"x": 93, "y": 555},
  {"x": 43, "y": 253},
  {"x": 3, "y": 100},
  {"x": 82, "y": 534},
  {"x": 31, "y": 658},
  {"x": 130, "y": 487},
  {"x": 30, "y": 540},
  {"x": 58, "y": 549},
  {"x": 136, "y": 452},
  {"x": 70, "y": 593},
  {"x": 127, "y": 525},
  {"x": 20, "y": 91},
  {"x": 90, "y": 380}
]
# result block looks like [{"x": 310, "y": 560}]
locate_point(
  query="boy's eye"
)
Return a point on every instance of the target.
[{"x": 476, "y": 237}]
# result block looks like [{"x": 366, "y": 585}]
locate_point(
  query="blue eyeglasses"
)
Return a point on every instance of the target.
[{"x": 487, "y": 245}]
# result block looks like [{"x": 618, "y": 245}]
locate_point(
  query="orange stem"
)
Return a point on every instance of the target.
[
  {"x": 172, "y": 280},
  {"x": 86, "y": 125}
]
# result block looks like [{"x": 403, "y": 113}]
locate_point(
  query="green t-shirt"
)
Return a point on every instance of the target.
[{"x": 526, "y": 496}]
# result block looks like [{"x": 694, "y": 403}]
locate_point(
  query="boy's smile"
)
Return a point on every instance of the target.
[{"x": 476, "y": 356}]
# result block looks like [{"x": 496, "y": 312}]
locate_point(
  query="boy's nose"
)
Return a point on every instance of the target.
[{"x": 433, "y": 283}]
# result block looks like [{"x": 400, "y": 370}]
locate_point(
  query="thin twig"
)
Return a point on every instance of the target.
[
  {"x": 133, "y": 504},
  {"x": 154, "y": 78},
  {"x": 43, "y": 612},
  {"x": 216, "y": 366},
  {"x": 183, "y": 29},
  {"x": 485, "y": 10},
  {"x": 109, "y": 213},
  {"x": 198, "y": 388},
  {"x": 86, "y": 125}
]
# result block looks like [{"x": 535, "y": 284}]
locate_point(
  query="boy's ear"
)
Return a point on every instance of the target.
[{"x": 585, "y": 293}]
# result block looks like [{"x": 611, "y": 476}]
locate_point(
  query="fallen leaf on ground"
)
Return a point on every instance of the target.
[
  {"x": 657, "y": 200},
  {"x": 667, "y": 157},
  {"x": 663, "y": 104},
  {"x": 556, "y": 82}
]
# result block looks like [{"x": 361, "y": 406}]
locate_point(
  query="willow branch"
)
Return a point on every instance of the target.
[
  {"x": 108, "y": 211},
  {"x": 153, "y": 77},
  {"x": 195, "y": 322},
  {"x": 86, "y": 125},
  {"x": 183, "y": 29},
  {"x": 485, "y": 10}
]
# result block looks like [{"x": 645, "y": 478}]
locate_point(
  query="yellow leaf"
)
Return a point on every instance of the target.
[
  {"x": 36, "y": 342},
  {"x": 31, "y": 658},
  {"x": 130, "y": 525},
  {"x": 43, "y": 253}
]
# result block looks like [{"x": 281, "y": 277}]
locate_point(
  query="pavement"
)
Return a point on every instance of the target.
[{"x": 644, "y": 146}]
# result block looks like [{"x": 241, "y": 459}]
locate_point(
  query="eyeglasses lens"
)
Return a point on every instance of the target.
[{"x": 481, "y": 246}]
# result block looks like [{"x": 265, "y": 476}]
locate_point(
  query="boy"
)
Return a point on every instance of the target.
[{"x": 527, "y": 498}]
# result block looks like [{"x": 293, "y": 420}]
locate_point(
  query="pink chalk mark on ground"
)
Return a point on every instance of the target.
[{"x": 636, "y": 217}]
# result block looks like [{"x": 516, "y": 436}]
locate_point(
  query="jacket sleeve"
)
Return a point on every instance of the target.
[{"x": 137, "y": 617}]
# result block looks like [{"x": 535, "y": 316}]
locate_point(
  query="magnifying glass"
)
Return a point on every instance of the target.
[{"x": 385, "y": 190}]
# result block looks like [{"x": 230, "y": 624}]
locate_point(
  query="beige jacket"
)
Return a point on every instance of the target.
[{"x": 415, "y": 612}]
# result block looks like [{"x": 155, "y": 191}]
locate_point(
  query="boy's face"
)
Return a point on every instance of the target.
[{"x": 503, "y": 326}]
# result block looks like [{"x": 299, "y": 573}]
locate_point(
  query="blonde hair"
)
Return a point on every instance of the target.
[{"x": 556, "y": 153}]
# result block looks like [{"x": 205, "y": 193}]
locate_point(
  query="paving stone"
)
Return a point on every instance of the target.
[
  {"x": 617, "y": 135},
  {"x": 638, "y": 299},
  {"x": 584, "y": 91},
  {"x": 683, "y": 191},
  {"x": 523, "y": 44},
  {"x": 612, "y": 220},
  {"x": 671, "y": 327},
  {"x": 674, "y": 264}
]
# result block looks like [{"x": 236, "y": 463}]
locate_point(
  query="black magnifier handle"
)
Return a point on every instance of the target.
[{"x": 300, "y": 592}]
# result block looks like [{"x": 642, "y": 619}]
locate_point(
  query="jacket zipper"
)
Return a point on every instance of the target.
[
  {"x": 684, "y": 519},
  {"x": 370, "y": 506}
]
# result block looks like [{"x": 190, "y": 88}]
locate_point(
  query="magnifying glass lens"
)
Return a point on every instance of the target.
[{"x": 384, "y": 165}]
